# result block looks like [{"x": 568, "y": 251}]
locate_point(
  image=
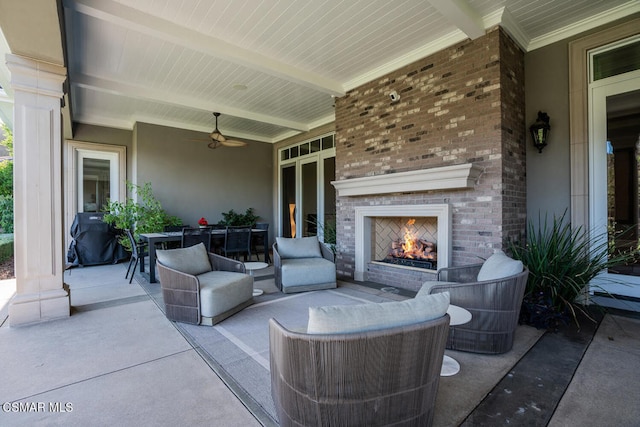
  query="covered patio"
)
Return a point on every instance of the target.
[
  {"x": 118, "y": 360},
  {"x": 349, "y": 130},
  {"x": 462, "y": 97}
]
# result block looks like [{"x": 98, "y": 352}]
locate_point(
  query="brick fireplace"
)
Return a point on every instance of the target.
[
  {"x": 454, "y": 141},
  {"x": 377, "y": 225}
]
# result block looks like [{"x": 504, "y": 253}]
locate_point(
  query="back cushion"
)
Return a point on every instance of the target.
[
  {"x": 192, "y": 260},
  {"x": 499, "y": 266},
  {"x": 341, "y": 319},
  {"x": 305, "y": 247}
]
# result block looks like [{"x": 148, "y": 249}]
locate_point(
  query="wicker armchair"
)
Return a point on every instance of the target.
[
  {"x": 202, "y": 288},
  {"x": 375, "y": 378},
  {"x": 303, "y": 264},
  {"x": 494, "y": 306}
]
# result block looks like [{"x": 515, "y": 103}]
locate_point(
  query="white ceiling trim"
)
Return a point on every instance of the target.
[
  {"x": 610, "y": 15},
  {"x": 5, "y": 74},
  {"x": 172, "y": 98},
  {"x": 135, "y": 20},
  {"x": 460, "y": 14},
  {"x": 283, "y": 136},
  {"x": 411, "y": 57},
  {"x": 323, "y": 121},
  {"x": 504, "y": 18},
  {"x": 99, "y": 119}
]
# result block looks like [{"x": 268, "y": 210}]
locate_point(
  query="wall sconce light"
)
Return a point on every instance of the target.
[{"x": 540, "y": 131}]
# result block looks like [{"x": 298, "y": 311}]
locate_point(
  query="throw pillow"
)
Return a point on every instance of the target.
[
  {"x": 192, "y": 260},
  {"x": 499, "y": 266},
  {"x": 341, "y": 319},
  {"x": 305, "y": 247}
]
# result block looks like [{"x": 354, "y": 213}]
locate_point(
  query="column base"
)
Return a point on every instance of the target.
[{"x": 26, "y": 309}]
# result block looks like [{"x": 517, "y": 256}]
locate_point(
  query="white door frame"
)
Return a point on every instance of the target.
[
  {"x": 75, "y": 151},
  {"x": 599, "y": 91}
]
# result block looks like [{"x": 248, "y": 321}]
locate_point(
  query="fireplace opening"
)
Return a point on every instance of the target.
[{"x": 408, "y": 244}]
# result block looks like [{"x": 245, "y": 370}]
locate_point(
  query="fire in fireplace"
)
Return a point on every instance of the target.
[{"x": 412, "y": 251}]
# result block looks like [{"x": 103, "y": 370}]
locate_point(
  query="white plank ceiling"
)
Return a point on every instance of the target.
[{"x": 272, "y": 67}]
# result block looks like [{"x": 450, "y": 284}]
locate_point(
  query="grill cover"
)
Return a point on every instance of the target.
[{"x": 94, "y": 241}]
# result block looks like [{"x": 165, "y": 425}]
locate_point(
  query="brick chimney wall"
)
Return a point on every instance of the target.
[{"x": 464, "y": 104}]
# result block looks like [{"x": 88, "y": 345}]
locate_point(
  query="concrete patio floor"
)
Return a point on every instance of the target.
[{"x": 118, "y": 361}]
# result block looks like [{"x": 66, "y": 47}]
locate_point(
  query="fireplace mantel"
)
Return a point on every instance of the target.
[{"x": 440, "y": 178}]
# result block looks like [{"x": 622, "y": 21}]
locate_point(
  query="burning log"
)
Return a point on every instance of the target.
[{"x": 412, "y": 247}]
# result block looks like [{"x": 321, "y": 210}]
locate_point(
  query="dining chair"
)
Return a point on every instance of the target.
[
  {"x": 260, "y": 240},
  {"x": 193, "y": 236},
  {"x": 218, "y": 237},
  {"x": 138, "y": 253},
  {"x": 238, "y": 242},
  {"x": 173, "y": 229}
]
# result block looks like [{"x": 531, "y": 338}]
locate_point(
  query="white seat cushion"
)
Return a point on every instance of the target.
[
  {"x": 499, "y": 266},
  {"x": 340, "y": 319},
  {"x": 220, "y": 291},
  {"x": 307, "y": 271}
]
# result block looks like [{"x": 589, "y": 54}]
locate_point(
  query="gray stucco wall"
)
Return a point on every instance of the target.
[
  {"x": 547, "y": 89},
  {"x": 106, "y": 135},
  {"x": 193, "y": 181}
]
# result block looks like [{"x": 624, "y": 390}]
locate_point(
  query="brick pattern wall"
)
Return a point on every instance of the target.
[{"x": 464, "y": 104}]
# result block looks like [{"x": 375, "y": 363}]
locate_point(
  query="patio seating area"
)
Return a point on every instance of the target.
[{"x": 118, "y": 360}]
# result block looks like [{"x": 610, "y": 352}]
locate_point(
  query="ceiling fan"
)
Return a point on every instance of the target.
[{"x": 218, "y": 139}]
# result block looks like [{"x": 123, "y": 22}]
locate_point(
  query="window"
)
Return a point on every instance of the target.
[{"x": 307, "y": 198}]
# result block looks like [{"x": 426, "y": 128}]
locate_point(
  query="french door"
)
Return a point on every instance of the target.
[
  {"x": 614, "y": 186},
  {"x": 94, "y": 175},
  {"x": 306, "y": 196}
]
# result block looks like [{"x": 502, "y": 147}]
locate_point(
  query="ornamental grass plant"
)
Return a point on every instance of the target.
[{"x": 562, "y": 261}]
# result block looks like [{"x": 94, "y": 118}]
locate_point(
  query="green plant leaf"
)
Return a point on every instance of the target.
[{"x": 562, "y": 261}]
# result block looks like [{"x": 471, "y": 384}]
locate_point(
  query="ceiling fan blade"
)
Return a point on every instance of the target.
[
  {"x": 217, "y": 136},
  {"x": 233, "y": 143}
]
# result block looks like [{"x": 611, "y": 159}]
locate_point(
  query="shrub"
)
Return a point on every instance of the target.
[
  {"x": 562, "y": 260},
  {"x": 233, "y": 218},
  {"x": 6, "y": 247},
  {"x": 145, "y": 217},
  {"x": 6, "y": 213},
  {"x": 6, "y": 178}
]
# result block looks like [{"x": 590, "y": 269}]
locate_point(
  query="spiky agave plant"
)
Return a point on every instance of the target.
[{"x": 562, "y": 260}]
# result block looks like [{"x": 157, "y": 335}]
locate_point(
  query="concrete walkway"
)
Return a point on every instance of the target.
[{"x": 118, "y": 361}]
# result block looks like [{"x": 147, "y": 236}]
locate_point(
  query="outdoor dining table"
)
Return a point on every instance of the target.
[{"x": 176, "y": 236}]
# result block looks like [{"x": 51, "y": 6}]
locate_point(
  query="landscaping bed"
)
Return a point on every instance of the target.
[
  {"x": 6, "y": 256},
  {"x": 6, "y": 269}
]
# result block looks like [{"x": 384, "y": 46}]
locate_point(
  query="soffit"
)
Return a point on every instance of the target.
[{"x": 174, "y": 63}]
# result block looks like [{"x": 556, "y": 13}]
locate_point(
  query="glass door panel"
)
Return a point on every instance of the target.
[
  {"x": 309, "y": 192},
  {"x": 329, "y": 220},
  {"x": 288, "y": 194},
  {"x": 623, "y": 151},
  {"x": 97, "y": 180},
  {"x": 96, "y": 186}
]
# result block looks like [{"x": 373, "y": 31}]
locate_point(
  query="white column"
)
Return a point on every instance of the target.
[{"x": 38, "y": 238}]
